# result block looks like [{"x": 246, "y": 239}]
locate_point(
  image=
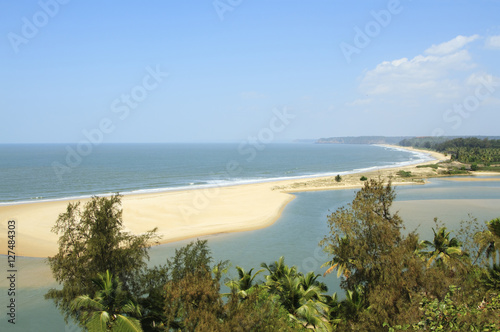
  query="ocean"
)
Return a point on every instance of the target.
[{"x": 30, "y": 173}]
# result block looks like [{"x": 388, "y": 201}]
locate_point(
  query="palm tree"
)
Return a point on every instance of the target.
[
  {"x": 443, "y": 250},
  {"x": 491, "y": 277},
  {"x": 109, "y": 310},
  {"x": 244, "y": 283},
  {"x": 278, "y": 269},
  {"x": 489, "y": 240},
  {"x": 354, "y": 302},
  {"x": 347, "y": 309},
  {"x": 340, "y": 261},
  {"x": 334, "y": 313},
  {"x": 301, "y": 295}
]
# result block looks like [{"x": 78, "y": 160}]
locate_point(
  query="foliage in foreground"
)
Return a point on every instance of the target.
[
  {"x": 399, "y": 280},
  {"x": 110, "y": 309},
  {"x": 91, "y": 242},
  {"x": 452, "y": 315},
  {"x": 391, "y": 281}
]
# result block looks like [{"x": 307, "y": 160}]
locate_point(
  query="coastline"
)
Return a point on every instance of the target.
[{"x": 187, "y": 214}]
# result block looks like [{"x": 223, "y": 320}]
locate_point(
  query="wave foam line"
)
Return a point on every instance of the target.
[{"x": 421, "y": 157}]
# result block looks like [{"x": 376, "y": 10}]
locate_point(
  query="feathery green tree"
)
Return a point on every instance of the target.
[
  {"x": 92, "y": 241},
  {"x": 376, "y": 264}
]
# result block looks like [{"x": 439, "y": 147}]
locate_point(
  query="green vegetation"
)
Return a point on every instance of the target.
[
  {"x": 92, "y": 242},
  {"x": 379, "y": 270},
  {"x": 338, "y": 178},
  {"x": 192, "y": 299},
  {"x": 427, "y": 142},
  {"x": 448, "y": 315},
  {"x": 433, "y": 166},
  {"x": 479, "y": 153},
  {"x": 404, "y": 174},
  {"x": 110, "y": 309},
  {"x": 442, "y": 250},
  {"x": 489, "y": 168},
  {"x": 363, "y": 178},
  {"x": 472, "y": 150},
  {"x": 301, "y": 295},
  {"x": 455, "y": 171},
  {"x": 447, "y": 168},
  {"x": 432, "y": 142},
  {"x": 391, "y": 281},
  {"x": 401, "y": 281}
]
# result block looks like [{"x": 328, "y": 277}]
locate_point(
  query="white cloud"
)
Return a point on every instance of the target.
[
  {"x": 428, "y": 74},
  {"x": 493, "y": 42},
  {"x": 451, "y": 46},
  {"x": 426, "y": 81},
  {"x": 422, "y": 90}
]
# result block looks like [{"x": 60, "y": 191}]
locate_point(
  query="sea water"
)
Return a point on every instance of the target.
[{"x": 33, "y": 173}]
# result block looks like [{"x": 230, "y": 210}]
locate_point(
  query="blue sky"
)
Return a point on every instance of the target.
[{"x": 224, "y": 70}]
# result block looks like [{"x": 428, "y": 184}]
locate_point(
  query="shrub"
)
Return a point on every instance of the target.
[
  {"x": 455, "y": 171},
  {"x": 404, "y": 174},
  {"x": 338, "y": 178},
  {"x": 433, "y": 166},
  {"x": 474, "y": 167},
  {"x": 363, "y": 178}
]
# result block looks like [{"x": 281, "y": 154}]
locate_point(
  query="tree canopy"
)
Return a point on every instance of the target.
[
  {"x": 392, "y": 281},
  {"x": 92, "y": 241}
]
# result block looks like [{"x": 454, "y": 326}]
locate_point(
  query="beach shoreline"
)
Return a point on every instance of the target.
[{"x": 185, "y": 214}]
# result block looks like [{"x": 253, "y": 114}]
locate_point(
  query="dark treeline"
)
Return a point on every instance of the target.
[
  {"x": 390, "y": 281},
  {"x": 441, "y": 143},
  {"x": 427, "y": 142},
  {"x": 468, "y": 150},
  {"x": 470, "y": 142}
]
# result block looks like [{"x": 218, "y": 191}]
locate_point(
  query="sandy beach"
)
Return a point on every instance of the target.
[{"x": 191, "y": 213}]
